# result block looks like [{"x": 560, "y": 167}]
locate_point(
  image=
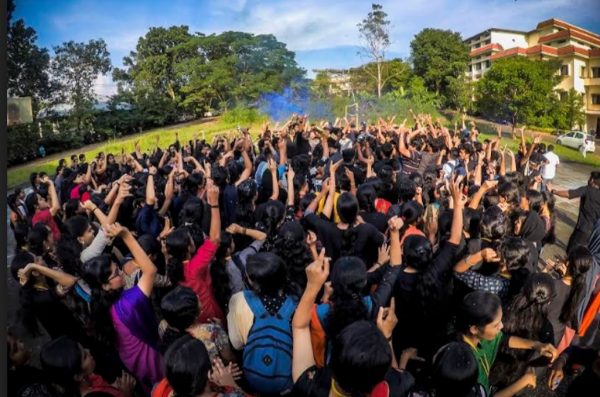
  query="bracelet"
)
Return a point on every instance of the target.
[
  {"x": 214, "y": 206},
  {"x": 244, "y": 231}
]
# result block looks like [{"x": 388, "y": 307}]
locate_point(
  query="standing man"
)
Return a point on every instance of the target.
[
  {"x": 550, "y": 162},
  {"x": 589, "y": 209}
]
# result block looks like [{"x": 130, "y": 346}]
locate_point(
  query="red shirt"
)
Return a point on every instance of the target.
[
  {"x": 46, "y": 217},
  {"x": 196, "y": 274}
]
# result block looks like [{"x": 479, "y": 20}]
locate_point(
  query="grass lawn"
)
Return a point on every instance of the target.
[
  {"x": 563, "y": 152},
  {"x": 20, "y": 174}
]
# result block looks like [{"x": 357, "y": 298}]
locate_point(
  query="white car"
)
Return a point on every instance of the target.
[{"x": 577, "y": 140}]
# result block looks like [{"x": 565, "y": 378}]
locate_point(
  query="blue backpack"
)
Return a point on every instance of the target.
[{"x": 267, "y": 359}]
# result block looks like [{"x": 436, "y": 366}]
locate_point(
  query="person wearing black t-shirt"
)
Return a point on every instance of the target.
[{"x": 589, "y": 209}]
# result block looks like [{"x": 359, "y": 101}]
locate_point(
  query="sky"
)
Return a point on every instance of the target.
[{"x": 323, "y": 34}]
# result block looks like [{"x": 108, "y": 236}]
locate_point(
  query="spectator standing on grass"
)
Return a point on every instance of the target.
[
  {"x": 550, "y": 163},
  {"x": 589, "y": 209}
]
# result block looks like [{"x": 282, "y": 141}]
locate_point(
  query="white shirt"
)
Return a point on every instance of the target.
[{"x": 549, "y": 169}]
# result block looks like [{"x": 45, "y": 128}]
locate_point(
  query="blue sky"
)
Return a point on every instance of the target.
[{"x": 322, "y": 33}]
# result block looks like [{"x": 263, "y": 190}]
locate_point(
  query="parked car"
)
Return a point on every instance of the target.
[{"x": 577, "y": 140}]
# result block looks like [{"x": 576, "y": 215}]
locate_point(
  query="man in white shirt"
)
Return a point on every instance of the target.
[{"x": 551, "y": 161}]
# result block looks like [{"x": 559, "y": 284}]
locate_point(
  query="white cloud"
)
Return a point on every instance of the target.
[{"x": 104, "y": 87}]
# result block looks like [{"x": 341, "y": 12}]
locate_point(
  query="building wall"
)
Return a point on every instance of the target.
[
  {"x": 509, "y": 40},
  {"x": 578, "y": 82}
]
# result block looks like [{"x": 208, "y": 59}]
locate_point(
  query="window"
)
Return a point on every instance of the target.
[
  {"x": 596, "y": 99},
  {"x": 579, "y": 135},
  {"x": 488, "y": 63},
  {"x": 595, "y": 72},
  {"x": 582, "y": 74},
  {"x": 570, "y": 134},
  {"x": 564, "y": 70},
  {"x": 478, "y": 66},
  {"x": 470, "y": 68}
]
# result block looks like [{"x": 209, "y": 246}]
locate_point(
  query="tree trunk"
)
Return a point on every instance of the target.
[{"x": 378, "y": 78}]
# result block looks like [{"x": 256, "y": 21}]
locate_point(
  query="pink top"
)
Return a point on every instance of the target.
[
  {"x": 196, "y": 274},
  {"x": 46, "y": 217}
]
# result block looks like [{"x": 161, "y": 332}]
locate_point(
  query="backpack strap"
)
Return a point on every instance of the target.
[
  {"x": 288, "y": 308},
  {"x": 255, "y": 304}
]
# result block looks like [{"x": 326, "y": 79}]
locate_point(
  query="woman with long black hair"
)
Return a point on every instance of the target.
[
  {"x": 526, "y": 317},
  {"x": 423, "y": 287},
  {"x": 189, "y": 266},
  {"x": 125, "y": 320},
  {"x": 291, "y": 244},
  {"x": 349, "y": 237}
]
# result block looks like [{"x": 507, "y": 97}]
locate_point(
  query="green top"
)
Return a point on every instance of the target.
[{"x": 485, "y": 353}]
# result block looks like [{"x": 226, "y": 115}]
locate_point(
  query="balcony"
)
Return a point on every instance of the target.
[{"x": 592, "y": 81}]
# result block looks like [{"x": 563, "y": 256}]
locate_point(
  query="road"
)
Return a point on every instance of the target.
[{"x": 569, "y": 176}]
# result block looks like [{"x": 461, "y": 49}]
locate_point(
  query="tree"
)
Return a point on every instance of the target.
[
  {"x": 437, "y": 56},
  {"x": 27, "y": 64},
  {"x": 321, "y": 84},
  {"x": 517, "y": 88},
  {"x": 76, "y": 66},
  {"x": 374, "y": 31},
  {"x": 459, "y": 92},
  {"x": 198, "y": 72},
  {"x": 569, "y": 112},
  {"x": 395, "y": 75}
]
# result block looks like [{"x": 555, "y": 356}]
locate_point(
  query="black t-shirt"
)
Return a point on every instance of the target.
[
  {"x": 367, "y": 238},
  {"x": 377, "y": 219},
  {"x": 425, "y": 334},
  {"x": 589, "y": 207},
  {"x": 316, "y": 382}
]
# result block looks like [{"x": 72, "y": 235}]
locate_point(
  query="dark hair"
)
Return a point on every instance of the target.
[
  {"x": 406, "y": 188},
  {"x": 191, "y": 217},
  {"x": 455, "y": 370},
  {"x": 273, "y": 214},
  {"x": 366, "y": 195},
  {"x": 348, "y": 279},
  {"x": 25, "y": 314},
  {"x": 347, "y": 209},
  {"x": 187, "y": 365},
  {"x": 31, "y": 202},
  {"x": 360, "y": 358},
  {"x": 36, "y": 238},
  {"x": 218, "y": 272},
  {"x": 180, "y": 310},
  {"x": 267, "y": 273},
  {"x": 528, "y": 310},
  {"x": 515, "y": 252},
  {"x": 96, "y": 273},
  {"x": 417, "y": 252},
  {"x": 510, "y": 192},
  {"x": 61, "y": 360},
  {"x": 494, "y": 224},
  {"x": 32, "y": 177},
  {"x": 579, "y": 263},
  {"x": 478, "y": 308},
  {"x": 290, "y": 244},
  {"x": 247, "y": 191},
  {"x": 535, "y": 199},
  {"x": 178, "y": 243},
  {"x": 68, "y": 248}
]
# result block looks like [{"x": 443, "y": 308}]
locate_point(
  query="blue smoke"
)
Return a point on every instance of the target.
[{"x": 280, "y": 106}]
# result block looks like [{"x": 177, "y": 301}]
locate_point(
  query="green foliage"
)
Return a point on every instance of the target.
[
  {"x": 568, "y": 112},
  {"x": 459, "y": 93},
  {"x": 198, "y": 73},
  {"x": 75, "y": 67},
  {"x": 518, "y": 89},
  {"x": 242, "y": 116},
  {"x": 395, "y": 75},
  {"x": 438, "y": 56},
  {"x": 26, "y": 64},
  {"x": 418, "y": 93}
]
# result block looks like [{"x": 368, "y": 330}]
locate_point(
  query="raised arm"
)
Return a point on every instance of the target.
[
  {"x": 329, "y": 203},
  {"x": 55, "y": 203},
  {"x": 247, "y": 164},
  {"x": 150, "y": 192},
  {"x": 404, "y": 151},
  {"x": 302, "y": 355},
  {"x": 64, "y": 279},
  {"x": 254, "y": 234},
  {"x": 290, "y": 186},
  {"x": 457, "y": 213},
  {"x": 169, "y": 193},
  {"x": 212, "y": 197},
  {"x": 487, "y": 185},
  {"x": 273, "y": 169},
  {"x": 146, "y": 282}
]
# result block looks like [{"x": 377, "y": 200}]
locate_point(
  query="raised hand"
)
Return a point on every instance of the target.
[
  {"x": 395, "y": 223},
  {"x": 311, "y": 238},
  {"x": 387, "y": 320},
  {"x": 318, "y": 271},
  {"x": 212, "y": 193},
  {"x": 115, "y": 230},
  {"x": 167, "y": 229},
  {"x": 383, "y": 254},
  {"x": 234, "y": 228}
]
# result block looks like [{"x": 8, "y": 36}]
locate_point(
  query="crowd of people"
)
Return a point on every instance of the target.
[{"x": 315, "y": 259}]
